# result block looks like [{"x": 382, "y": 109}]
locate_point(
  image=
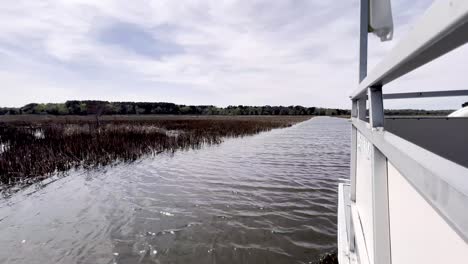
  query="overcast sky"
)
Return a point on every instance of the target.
[{"x": 282, "y": 52}]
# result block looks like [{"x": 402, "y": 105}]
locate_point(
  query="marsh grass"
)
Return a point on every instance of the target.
[
  {"x": 35, "y": 148},
  {"x": 329, "y": 258}
]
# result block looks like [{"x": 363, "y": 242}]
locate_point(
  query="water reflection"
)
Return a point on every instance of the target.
[{"x": 269, "y": 198}]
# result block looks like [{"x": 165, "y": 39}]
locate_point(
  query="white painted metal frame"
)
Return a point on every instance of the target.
[
  {"x": 344, "y": 217},
  {"x": 393, "y": 96},
  {"x": 381, "y": 220},
  {"x": 427, "y": 172},
  {"x": 443, "y": 28}
]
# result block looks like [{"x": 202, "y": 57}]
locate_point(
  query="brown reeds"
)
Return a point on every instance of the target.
[{"x": 34, "y": 148}]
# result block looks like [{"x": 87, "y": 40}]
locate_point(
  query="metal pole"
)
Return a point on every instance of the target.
[
  {"x": 381, "y": 219},
  {"x": 426, "y": 94},
  {"x": 363, "y": 38},
  {"x": 354, "y": 109},
  {"x": 376, "y": 110},
  {"x": 354, "y": 114},
  {"x": 362, "y": 109},
  {"x": 358, "y": 107}
]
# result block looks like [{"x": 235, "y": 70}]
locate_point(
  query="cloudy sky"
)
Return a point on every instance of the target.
[{"x": 282, "y": 52}]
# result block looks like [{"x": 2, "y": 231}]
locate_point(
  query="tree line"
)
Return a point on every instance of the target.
[{"x": 92, "y": 107}]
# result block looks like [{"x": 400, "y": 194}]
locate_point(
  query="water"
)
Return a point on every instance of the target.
[{"x": 268, "y": 198}]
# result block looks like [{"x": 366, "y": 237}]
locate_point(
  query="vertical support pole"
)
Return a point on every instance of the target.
[
  {"x": 351, "y": 238},
  {"x": 359, "y": 106},
  {"x": 354, "y": 109},
  {"x": 351, "y": 234},
  {"x": 360, "y": 112},
  {"x": 363, "y": 39},
  {"x": 354, "y": 114},
  {"x": 381, "y": 220},
  {"x": 362, "y": 109},
  {"x": 376, "y": 111}
]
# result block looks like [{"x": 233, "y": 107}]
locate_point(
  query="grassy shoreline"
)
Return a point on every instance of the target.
[
  {"x": 36, "y": 147},
  {"x": 92, "y": 118}
]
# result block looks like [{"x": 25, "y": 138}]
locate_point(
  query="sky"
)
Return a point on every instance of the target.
[{"x": 249, "y": 52}]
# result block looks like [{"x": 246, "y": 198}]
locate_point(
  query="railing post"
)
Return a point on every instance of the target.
[
  {"x": 376, "y": 111},
  {"x": 362, "y": 109},
  {"x": 354, "y": 114},
  {"x": 351, "y": 234},
  {"x": 381, "y": 220},
  {"x": 354, "y": 108},
  {"x": 358, "y": 109},
  {"x": 361, "y": 113}
]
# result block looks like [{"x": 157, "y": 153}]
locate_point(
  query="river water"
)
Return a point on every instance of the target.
[{"x": 268, "y": 198}]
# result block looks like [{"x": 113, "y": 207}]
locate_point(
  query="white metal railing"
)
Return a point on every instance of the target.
[
  {"x": 425, "y": 94},
  {"x": 443, "y": 28}
]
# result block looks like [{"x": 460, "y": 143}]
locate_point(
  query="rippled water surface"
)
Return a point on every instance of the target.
[{"x": 269, "y": 198}]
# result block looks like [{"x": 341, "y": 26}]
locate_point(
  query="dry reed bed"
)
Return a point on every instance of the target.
[{"x": 32, "y": 148}]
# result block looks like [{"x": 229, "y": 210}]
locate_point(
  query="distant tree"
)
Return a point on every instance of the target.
[
  {"x": 310, "y": 111},
  {"x": 53, "y": 109},
  {"x": 76, "y": 107},
  {"x": 9, "y": 111},
  {"x": 284, "y": 111},
  {"x": 97, "y": 108},
  {"x": 29, "y": 108}
]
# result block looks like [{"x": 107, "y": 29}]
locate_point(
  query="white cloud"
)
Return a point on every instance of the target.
[{"x": 222, "y": 52}]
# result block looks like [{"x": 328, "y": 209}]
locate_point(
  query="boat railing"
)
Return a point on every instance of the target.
[{"x": 408, "y": 196}]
